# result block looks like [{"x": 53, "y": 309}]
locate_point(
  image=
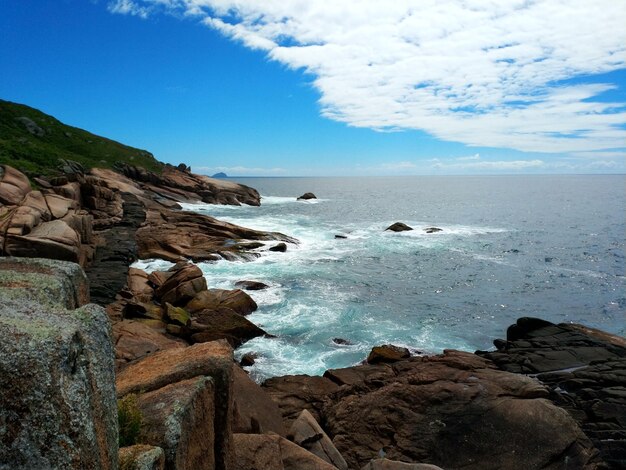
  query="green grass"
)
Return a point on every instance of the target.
[
  {"x": 36, "y": 151},
  {"x": 129, "y": 420}
]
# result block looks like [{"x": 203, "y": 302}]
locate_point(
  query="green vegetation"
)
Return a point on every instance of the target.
[
  {"x": 129, "y": 419},
  {"x": 33, "y": 142}
]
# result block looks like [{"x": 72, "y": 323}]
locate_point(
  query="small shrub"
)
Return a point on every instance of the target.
[{"x": 129, "y": 419}]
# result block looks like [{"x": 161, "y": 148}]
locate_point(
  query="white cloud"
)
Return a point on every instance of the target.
[
  {"x": 471, "y": 157},
  {"x": 128, "y": 7},
  {"x": 479, "y": 72},
  {"x": 240, "y": 171},
  {"x": 510, "y": 165}
]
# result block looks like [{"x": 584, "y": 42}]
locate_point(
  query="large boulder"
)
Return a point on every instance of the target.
[
  {"x": 170, "y": 366},
  {"x": 399, "y": 227},
  {"x": 307, "y": 433},
  {"x": 254, "y": 410},
  {"x": 387, "y": 353},
  {"x": 14, "y": 186},
  {"x": 57, "y": 396},
  {"x": 179, "y": 418},
  {"x": 215, "y": 299},
  {"x": 211, "y": 325},
  {"x": 182, "y": 286},
  {"x": 307, "y": 196},
  {"x": 455, "y": 411}
]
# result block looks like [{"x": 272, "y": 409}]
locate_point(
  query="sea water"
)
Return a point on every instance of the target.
[{"x": 510, "y": 246}]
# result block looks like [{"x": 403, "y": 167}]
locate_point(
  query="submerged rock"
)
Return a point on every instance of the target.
[
  {"x": 399, "y": 227},
  {"x": 433, "y": 229},
  {"x": 251, "y": 285}
]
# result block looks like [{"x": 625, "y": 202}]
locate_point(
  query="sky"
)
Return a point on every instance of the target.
[{"x": 329, "y": 87}]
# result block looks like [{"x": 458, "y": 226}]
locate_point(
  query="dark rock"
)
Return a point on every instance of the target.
[
  {"x": 307, "y": 196},
  {"x": 342, "y": 341},
  {"x": 433, "y": 230},
  {"x": 248, "y": 359},
  {"x": 220, "y": 175},
  {"x": 340, "y": 237},
  {"x": 385, "y": 464},
  {"x": 387, "y": 353},
  {"x": 398, "y": 227},
  {"x": 211, "y": 325},
  {"x": 251, "y": 285},
  {"x": 282, "y": 247}
]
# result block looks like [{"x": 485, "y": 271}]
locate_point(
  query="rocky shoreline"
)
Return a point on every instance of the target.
[{"x": 549, "y": 396}]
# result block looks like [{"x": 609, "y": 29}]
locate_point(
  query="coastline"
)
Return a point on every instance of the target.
[{"x": 538, "y": 368}]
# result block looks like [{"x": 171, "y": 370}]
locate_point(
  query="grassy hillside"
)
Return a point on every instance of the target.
[{"x": 33, "y": 142}]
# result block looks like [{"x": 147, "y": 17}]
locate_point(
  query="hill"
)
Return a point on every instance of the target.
[{"x": 33, "y": 142}]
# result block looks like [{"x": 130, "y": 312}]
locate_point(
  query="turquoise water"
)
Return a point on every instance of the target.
[{"x": 547, "y": 246}]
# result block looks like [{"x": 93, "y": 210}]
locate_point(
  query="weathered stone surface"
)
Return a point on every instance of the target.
[
  {"x": 273, "y": 452},
  {"x": 254, "y": 410},
  {"x": 142, "y": 457},
  {"x": 399, "y": 227},
  {"x": 179, "y": 418},
  {"x": 182, "y": 286},
  {"x": 166, "y": 367},
  {"x": 45, "y": 281},
  {"x": 385, "y": 464},
  {"x": 294, "y": 393},
  {"x": 57, "y": 400},
  {"x": 215, "y": 299},
  {"x": 14, "y": 185},
  {"x": 54, "y": 240},
  {"x": 585, "y": 370},
  {"x": 307, "y": 433},
  {"x": 257, "y": 452},
  {"x": 455, "y": 411},
  {"x": 134, "y": 340},
  {"x": 387, "y": 353}
]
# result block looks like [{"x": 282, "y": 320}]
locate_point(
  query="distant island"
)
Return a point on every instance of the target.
[{"x": 220, "y": 175}]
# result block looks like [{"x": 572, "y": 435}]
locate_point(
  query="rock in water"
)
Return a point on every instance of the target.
[
  {"x": 281, "y": 247},
  {"x": 433, "y": 229},
  {"x": 251, "y": 285},
  {"x": 57, "y": 396},
  {"x": 399, "y": 227},
  {"x": 387, "y": 353},
  {"x": 307, "y": 196}
]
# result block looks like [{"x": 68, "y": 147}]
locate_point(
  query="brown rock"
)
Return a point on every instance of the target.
[
  {"x": 456, "y": 411},
  {"x": 179, "y": 418},
  {"x": 387, "y": 353},
  {"x": 138, "y": 283},
  {"x": 54, "y": 239},
  {"x": 248, "y": 359},
  {"x": 254, "y": 410},
  {"x": 385, "y": 464},
  {"x": 215, "y": 299},
  {"x": 399, "y": 227},
  {"x": 210, "y": 325},
  {"x": 174, "y": 365},
  {"x": 14, "y": 185},
  {"x": 177, "y": 315},
  {"x": 308, "y": 434},
  {"x": 134, "y": 340},
  {"x": 182, "y": 286},
  {"x": 294, "y": 393},
  {"x": 295, "y": 457},
  {"x": 142, "y": 457}
]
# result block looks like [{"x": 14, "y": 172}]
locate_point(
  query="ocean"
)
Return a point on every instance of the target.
[{"x": 510, "y": 246}]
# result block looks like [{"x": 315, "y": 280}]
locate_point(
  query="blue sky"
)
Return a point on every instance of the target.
[{"x": 283, "y": 88}]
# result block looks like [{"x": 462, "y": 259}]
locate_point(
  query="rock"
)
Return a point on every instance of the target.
[
  {"x": 170, "y": 366},
  {"x": 281, "y": 247},
  {"x": 179, "y": 418},
  {"x": 215, "y": 299},
  {"x": 220, "y": 175},
  {"x": 138, "y": 283},
  {"x": 585, "y": 370},
  {"x": 433, "y": 230},
  {"x": 248, "y": 359},
  {"x": 251, "y": 285},
  {"x": 134, "y": 340},
  {"x": 294, "y": 393},
  {"x": 307, "y": 196},
  {"x": 54, "y": 240},
  {"x": 142, "y": 457},
  {"x": 455, "y": 411},
  {"x": 365, "y": 374},
  {"x": 211, "y": 325},
  {"x": 14, "y": 185},
  {"x": 57, "y": 401},
  {"x": 182, "y": 286},
  {"x": 272, "y": 452},
  {"x": 254, "y": 410},
  {"x": 387, "y": 353},
  {"x": 340, "y": 236},
  {"x": 257, "y": 452},
  {"x": 398, "y": 227},
  {"x": 384, "y": 464},
  {"x": 342, "y": 341},
  {"x": 308, "y": 434},
  {"x": 177, "y": 315}
]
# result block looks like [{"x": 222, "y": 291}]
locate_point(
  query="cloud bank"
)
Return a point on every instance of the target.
[{"x": 478, "y": 72}]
